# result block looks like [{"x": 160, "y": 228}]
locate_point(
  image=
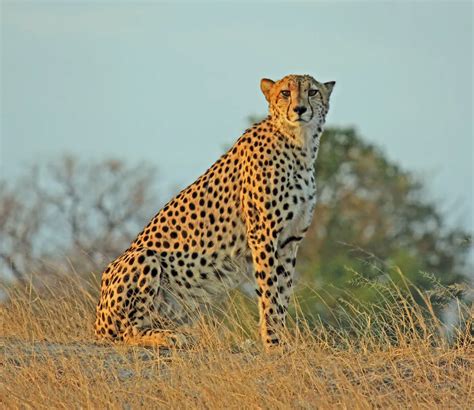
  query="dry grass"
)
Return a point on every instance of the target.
[{"x": 387, "y": 359}]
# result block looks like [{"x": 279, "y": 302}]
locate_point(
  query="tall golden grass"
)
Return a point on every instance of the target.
[{"x": 389, "y": 355}]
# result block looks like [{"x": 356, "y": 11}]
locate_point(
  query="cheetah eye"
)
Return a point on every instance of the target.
[
  {"x": 285, "y": 93},
  {"x": 312, "y": 93}
]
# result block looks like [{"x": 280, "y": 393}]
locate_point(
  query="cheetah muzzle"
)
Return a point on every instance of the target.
[{"x": 255, "y": 203}]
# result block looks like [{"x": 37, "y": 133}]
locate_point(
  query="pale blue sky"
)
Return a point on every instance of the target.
[{"x": 173, "y": 83}]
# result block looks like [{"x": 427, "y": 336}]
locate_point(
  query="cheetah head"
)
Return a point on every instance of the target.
[{"x": 297, "y": 101}]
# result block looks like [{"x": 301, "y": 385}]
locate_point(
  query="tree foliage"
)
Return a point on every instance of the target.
[
  {"x": 374, "y": 218},
  {"x": 71, "y": 215}
]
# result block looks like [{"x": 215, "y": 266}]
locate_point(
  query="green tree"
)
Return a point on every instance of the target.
[{"x": 374, "y": 219}]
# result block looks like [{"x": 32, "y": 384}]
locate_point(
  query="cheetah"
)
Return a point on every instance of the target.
[{"x": 247, "y": 214}]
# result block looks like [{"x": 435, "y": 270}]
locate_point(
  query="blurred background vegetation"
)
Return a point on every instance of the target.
[{"x": 373, "y": 221}]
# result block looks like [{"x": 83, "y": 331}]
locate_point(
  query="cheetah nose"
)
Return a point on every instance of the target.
[{"x": 300, "y": 110}]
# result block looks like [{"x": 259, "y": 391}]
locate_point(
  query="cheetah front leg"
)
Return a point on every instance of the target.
[
  {"x": 286, "y": 269},
  {"x": 287, "y": 250},
  {"x": 271, "y": 305}
]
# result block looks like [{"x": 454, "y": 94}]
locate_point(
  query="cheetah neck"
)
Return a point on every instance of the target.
[{"x": 306, "y": 138}]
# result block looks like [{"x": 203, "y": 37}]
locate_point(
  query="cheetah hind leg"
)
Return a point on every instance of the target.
[{"x": 151, "y": 337}]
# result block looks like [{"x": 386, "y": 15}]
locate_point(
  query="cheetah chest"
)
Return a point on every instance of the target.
[{"x": 303, "y": 199}]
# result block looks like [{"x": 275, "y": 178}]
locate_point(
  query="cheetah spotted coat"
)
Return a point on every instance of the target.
[{"x": 247, "y": 213}]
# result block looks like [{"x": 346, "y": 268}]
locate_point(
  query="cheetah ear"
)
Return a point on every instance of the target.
[
  {"x": 329, "y": 86},
  {"x": 266, "y": 85}
]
